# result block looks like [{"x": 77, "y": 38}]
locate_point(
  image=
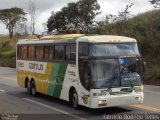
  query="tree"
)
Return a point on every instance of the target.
[
  {"x": 156, "y": 3},
  {"x": 33, "y": 11},
  {"x": 87, "y": 10},
  {"x": 77, "y": 17},
  {"x": 10, "y": 17},
  {"x": 124, "y": 15},
  {"x": 57, "y": 22}
]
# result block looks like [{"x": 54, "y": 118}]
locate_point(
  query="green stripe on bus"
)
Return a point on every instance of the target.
[
  {"x": 59, "y": 80},
  {"x": 53, "y": 78}
]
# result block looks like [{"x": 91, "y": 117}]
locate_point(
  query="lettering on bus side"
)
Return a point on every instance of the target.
[
  {"x": 36, "y": 66},
  {"x": 20, "y": 64}
]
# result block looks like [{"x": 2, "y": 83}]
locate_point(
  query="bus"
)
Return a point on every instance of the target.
[{"x": 95, "y": 71}]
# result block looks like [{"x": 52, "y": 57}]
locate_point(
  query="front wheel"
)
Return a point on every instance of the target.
[{"x": 75, "y": 100}]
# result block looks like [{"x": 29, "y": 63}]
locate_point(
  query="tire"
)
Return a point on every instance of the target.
[
  {"x": 28, "y": 86},
  {"x": 74, "y": 100},
  {"x": 33, "y": 89}
]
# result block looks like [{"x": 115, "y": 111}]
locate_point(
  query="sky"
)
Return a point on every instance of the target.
[{"x": 45, "y": 7}]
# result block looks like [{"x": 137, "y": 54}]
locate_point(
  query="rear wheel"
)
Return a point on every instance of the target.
[
  {"x": 75, "y": 100},
  {"x": 33, "y": 88},
  {"x": 28, "y": 86}
]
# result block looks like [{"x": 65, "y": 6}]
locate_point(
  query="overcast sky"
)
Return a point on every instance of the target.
[{"x": 45, "y": 8}]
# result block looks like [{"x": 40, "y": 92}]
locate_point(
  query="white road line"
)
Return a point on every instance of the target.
[
  {"x": 52, "y": 108},
  {"x": 2, "y": 90}
]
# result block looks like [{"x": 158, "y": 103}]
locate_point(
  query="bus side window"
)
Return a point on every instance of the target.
[
  {"x": 59, "y": 52},
  {"x": 39, "y": 52},
  {"x": 85, "y": 74},
  {"x": 48, "y": 53},
  {"x": 73, "y": 52},
  {"x": 31, "y": 52},
  {"x": 70, "y": 52},
  {"x": 23, "y": 52},
  {"x": 83, "y": 49}
]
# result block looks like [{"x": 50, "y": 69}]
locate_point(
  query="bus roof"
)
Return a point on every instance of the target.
[
  {"x": 106, "y": 38},
  {"x": 72, "y": 38}
]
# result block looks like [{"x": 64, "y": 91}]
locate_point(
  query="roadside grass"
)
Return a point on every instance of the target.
[{"x": 7, "y": 51}]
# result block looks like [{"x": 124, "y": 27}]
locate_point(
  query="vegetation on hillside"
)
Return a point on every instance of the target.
[{"x": 8, "y": 50}]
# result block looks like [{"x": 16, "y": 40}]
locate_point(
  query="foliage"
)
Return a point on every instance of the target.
[
  {"x": 156, "y": 3},
  {"x": 124, "y": 15},
  {"x": 10, "y": 17},
  {"x": 74, "y": 18}
]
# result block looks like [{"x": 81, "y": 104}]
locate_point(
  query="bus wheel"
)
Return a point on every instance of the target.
[
  {"x": 28, "y": 87},
  {"x": 75, "y": 100},
  {"x": 33, "y": 89}
]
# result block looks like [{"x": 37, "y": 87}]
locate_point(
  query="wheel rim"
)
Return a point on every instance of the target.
[
  {"x": 33, "y": 91},
  {"x": 75, "y": 100},
  {"x": 28, "y": 88}
]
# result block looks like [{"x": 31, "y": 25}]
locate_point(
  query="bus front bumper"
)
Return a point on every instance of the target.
[{"x": 117, "y": 100}]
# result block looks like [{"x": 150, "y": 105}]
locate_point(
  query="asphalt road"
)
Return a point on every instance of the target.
[{"x": 15, "y": 103}]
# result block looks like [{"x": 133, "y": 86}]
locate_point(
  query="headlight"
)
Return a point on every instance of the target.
[{"x": 102, "y": 103}]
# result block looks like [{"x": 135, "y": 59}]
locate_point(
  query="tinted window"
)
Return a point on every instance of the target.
[
  {"x": 31, "y": 52},
  {"x": 105, "y": 73},
  {"x": 83, "y": 49},
  {"x": 24, "y": 52},
  {"x": 48, "y": 52},
  {"x": 59, "y": 52},
  {"x": 117, "y": 49},
  {"x": 71, "y": 52},
  {"x": 39, "y": 52}
]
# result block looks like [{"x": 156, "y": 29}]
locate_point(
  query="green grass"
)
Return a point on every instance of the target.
[{"x": 8, "y": 58}]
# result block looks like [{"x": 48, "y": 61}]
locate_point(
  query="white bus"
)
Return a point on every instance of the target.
[{"x": 95, "y": 71}]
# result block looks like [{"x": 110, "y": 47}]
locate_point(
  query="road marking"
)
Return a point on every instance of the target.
[
  {"x": 52, "y": 108},
  {"x": 142, "y": 106},
  {"x": 2, "y": 90}
]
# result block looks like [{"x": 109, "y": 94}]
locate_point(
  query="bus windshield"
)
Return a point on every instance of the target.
[
  {"x": 115, "y": 73},
  {"x": 115, "y": 49}
]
